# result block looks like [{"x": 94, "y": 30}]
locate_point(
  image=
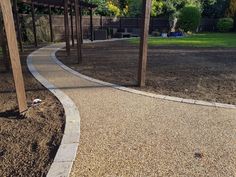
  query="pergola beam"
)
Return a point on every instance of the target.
[
  {"x": 58, "y": 3},
  {"x": 14, "y": 53},
  {"x": 144, "y": 42}
]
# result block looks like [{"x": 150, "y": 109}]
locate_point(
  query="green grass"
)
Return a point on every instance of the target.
[{"x": 197, "y": 40}]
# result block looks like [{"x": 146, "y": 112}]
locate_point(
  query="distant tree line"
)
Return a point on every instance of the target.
[{"x": 160, "y": 8}]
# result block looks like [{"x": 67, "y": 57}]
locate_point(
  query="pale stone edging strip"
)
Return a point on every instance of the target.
[
  {"x": 66, "y": 153},
  {"x": 164, "y": 97}
]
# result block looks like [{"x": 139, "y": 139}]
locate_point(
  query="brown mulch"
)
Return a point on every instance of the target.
[
  {"x": 28, "y": 144},
  {"x": 197, "y": 73}
]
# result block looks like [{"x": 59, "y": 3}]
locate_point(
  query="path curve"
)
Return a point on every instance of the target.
[
  {"x": 66, "y": 153},
  {"x": 125, "y": 134}
]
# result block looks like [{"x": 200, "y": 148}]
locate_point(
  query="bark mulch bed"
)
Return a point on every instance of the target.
[
  {"x": 28, "y": 144},
  {"x": 198, "y": 73}
]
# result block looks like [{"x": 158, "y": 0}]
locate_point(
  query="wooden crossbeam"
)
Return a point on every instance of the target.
[
  {"x": 14, "y": 53},
  {"x": 144, "y": 42},
  {"x": 58, "y": 3}
]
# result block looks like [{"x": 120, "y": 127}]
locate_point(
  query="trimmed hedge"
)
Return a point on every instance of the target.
[
  {"x": 189, "y": 18},
  {"x": 225, "y": 24}
]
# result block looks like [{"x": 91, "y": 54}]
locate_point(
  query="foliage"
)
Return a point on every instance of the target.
[
  {"x": 225, "y": 24},
  {"x": 189, "y": 18},
  {"x": 214, "y": 8},
  {"x": 102, "y": 6},
  {"x": 43, "y": 30},
  {"x": 231, "y": 11},
  {"x": 197, "y": 40},
  {"x": 209, "y": 8},
  {"x": 113, "y": 9}
]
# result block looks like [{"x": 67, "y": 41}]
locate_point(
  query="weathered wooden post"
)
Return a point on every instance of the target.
[
  {"x": 67, "y": 30},
  {"x": 34, "y": 25},
  {"x": 4, "y": 46},
  {"x": 91, "y": 24},
  {"x": 78, "y": 30},
  {"x": 16, "y": 17},
  {"x": 50, "y": 22},
  {"x": 14, "y": 53},
  {"x": 81, "y": 25},
  {"x": 144, "y": 42},
  {"x": 71, "y": 23}
]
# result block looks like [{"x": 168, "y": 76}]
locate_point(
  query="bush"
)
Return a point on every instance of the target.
[
  {"x": 42, "y": 29},
  {"x": 225, "y": 24},
  {"x": 189, "y": 18}
]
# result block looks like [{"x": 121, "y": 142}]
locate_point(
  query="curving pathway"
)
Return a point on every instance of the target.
[{"x": 128, "y": 134}]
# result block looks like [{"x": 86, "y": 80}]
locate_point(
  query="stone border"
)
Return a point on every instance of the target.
[
  {"x": 152, "y": 95},
  {"x": 67, "y": 151}
]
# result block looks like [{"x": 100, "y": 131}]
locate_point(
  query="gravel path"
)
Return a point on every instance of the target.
[{"x": 124, "y": 134}]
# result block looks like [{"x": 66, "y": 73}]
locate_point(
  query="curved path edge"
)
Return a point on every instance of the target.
[
  {"x": 157, "y": 96},
  {"x": 67, "y": 150}
]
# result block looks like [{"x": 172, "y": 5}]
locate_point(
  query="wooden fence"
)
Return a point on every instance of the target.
[{"x": 160, "y": 24}]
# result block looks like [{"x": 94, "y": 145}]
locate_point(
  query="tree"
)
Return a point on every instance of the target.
[
  {"x": 214, "y": 8},
  {"x": 231, "y": 11},
  {"x": 189, "y": 18}
]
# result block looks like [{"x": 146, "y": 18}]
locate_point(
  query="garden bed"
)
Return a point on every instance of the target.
[
  {"x": 198, "y": 73},
  {"x": 28, "y": 144}
]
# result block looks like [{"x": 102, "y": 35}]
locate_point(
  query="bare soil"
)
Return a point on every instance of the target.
[
  {"x": 28, "y": 144},
  {"x": 198, "y": 73}
]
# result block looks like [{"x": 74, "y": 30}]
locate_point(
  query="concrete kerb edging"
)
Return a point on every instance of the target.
[
  {"x": 152, "y": 95},
  {"x": 66, "y": 153}
]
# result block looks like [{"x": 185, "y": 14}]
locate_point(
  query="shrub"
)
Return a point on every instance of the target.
[
  {"x": 42, "y": 29},
  {"x": 225, "y": 24},
  {"x": 189, "y": 18}
]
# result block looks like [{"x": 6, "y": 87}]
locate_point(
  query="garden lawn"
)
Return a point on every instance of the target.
[{"x": 197, "y": 40}]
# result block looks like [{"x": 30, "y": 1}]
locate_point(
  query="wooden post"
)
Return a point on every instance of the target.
[
  {"x": 144, "y": 42},
  {"x": 78, "y": 30},
  {"x": 67, "y": 30},
  {"x": 101, "y": 23},
  {"x": 16, "y": 17},
  {"x": 72, "y": 25},
  {"x": 91, "y": 24},
  {"x": 80, "y": 25},
  {"x": 14, "y": 53},
  {"x": 50, "y": 22},
  {"x": 34, "y": 25},
  {"x": 4, "y": 47}
]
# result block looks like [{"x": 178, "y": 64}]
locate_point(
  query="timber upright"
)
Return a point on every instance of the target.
[
  {"x": 14, "y": 53},
  {"x": 144, "y": 42}
]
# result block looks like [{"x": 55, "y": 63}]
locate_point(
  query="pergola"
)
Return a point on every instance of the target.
[{"x": 66, "y": 4}]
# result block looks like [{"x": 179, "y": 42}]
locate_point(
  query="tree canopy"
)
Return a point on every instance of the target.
[{"x": 209, "y": 8}]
